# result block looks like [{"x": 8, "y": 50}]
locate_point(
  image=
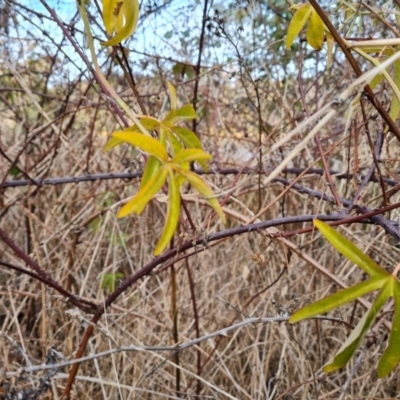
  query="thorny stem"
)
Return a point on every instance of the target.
[
  {"x": 134, "y": 175},
  {"x": 347, "y": 52},
  {"x": 169, "y": 254},
  {"x": 42, "y": 275},
  {"x": 85, "y": 60},
  {"x": 198, "y": 65}
]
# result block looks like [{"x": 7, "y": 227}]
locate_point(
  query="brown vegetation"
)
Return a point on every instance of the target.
[{"x": 54, "y": 125}]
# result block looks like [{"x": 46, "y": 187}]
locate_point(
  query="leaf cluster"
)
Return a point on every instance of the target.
[
  {"x": 315, "y": 30},
  {"x": 161, "y": 167},
  {"x": 388, "y": 286}
]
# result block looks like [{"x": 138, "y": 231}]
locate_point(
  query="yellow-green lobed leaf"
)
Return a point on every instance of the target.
[
  {"x": 145, "y": 143},
  {"x": 297, "y": 23},
  {"x": 349, "y": 250},
  {"x": 145, "y": 194},
  {"x": 171, "y": 222}
]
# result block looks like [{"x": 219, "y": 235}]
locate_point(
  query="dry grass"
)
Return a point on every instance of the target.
[{"x": 72, "y": 232}]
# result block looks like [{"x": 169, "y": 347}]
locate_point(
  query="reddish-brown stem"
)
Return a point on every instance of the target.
[
  {"x": 44, "y": 277},
  {"x": 196, "y": 322},
  {"x": 374, "y": 101},
  {"x": 198, "y": 64}
]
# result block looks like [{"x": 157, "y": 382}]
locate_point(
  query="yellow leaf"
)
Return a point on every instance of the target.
[
  {"x": 111, "y": 11},
  {"x": 175, "y": 143},
  {"x": 145, "y": 194},
  {"x": 113, "y": 142},
  {"x": 172, "y": 95},
  {"x": 297, "y": 23},
  {"x": 172, "y": 220},
  {"x": 189, "y": 155},
  {"x": 374, "y": 83},
  {"x": 149, "y": 123},
  {"x": 120, "y": 17},
  {"x": 185, "y": 113},
  {"x": 395, "y": 104},
  {"x": 201, "y": 186},
  {"x": 152, "y": 166},
  {"x": 181, "y": 179},
  {"x": 188, "y": 137},
  {"x": 190, "y": 140},
  {"x": 315, "y": 31},
  {"x": 145, "y": 143}
]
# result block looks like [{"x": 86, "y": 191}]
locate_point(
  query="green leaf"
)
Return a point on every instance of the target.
[
  {"x": 185, "y": 113},
  {"x": 95, "y": 224},
  {"x": 181, "y": 179},
  {"x": 145, "y": 194},
  {"x": 120, "y": 17},
  {"x": 315, "y": 31},
  {"x": 391, "y": 355},
  {"x": 389, "y": 287},
  {"x": 337, "y": 299},
  {"x": 163, "y": 134},
  {"x": 172, "y": 219},
  {"x": 177, "y": 69},
  {"x": 175, "y": 143},
  {"x": 188, "y": 137},
  {"x": 190, "y": 140},
  {"x": 145, "y": 143},
  {"x": 14, "y": 171},
  {"x": 172, "y": 95},
  {"x": 149, "y": 123},
  {"x": 152, "y": 166},
  {"x": 199, "y": 185},
  {"x": 297, "y": 23},
  {"x": 374, "y": 83},
  {"x": 189, "y": 155},
  {"x": 109, "y": 280},
  {"x": 353, "y": 341},
  {"x": 190, "y": 72},
  {"x": 349, "y": 250}
]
